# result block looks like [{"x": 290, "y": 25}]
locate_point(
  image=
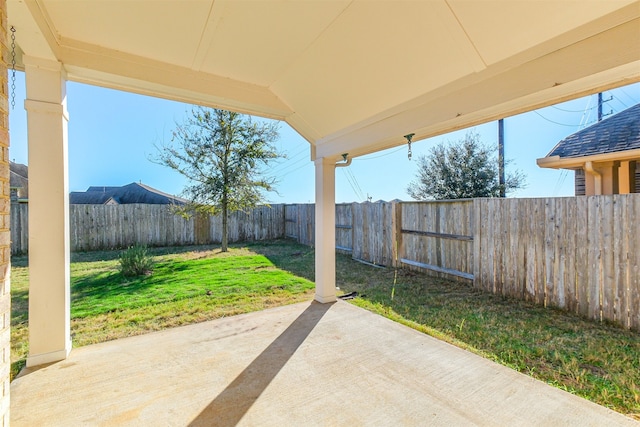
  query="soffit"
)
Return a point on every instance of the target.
[
  {"x": 508, "y": 26},
  {"x": 348, "y": 75}
]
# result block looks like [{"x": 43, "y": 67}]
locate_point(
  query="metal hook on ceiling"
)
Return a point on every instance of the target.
[{"x": 408, "y": 137}]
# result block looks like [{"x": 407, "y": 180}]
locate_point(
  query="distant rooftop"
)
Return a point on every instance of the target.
[
  {"x": 18, "y": 175},
  {"x": 127, "y": 194},
  {"x": 620, "y": 132}
]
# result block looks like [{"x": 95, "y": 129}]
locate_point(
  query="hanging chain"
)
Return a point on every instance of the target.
[
  {"x": 13, "y": 67},
  {"x": 408, "y": 137}
]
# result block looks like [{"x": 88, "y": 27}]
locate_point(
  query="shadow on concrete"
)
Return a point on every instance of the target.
[{"x": 228, "y": 408}]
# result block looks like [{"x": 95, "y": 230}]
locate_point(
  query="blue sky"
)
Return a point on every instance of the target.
[{"x": 112, "y": 134}]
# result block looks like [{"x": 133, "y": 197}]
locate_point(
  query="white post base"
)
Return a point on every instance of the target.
[
  {"x": 325, "y": 300},
  {"x": 54, "y": 356}
]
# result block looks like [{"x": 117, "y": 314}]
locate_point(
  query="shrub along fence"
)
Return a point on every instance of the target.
[{"x": 581, "y": 254}]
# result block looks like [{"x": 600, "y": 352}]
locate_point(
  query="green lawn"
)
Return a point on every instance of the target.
[
  {"x": 188, "y": 285},
  {"x": 597, "y": 361}
]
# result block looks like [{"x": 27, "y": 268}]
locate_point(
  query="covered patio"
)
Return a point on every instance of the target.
[
  {"x": 353, "y": 77},
  {"x": 304, "y": 364}
]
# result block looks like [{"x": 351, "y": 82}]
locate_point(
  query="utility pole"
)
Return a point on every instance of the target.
[
  {"x": 501, "y": 157},
  {"x": 599, "y": 106}
]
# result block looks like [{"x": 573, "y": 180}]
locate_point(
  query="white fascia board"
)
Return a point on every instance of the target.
[{"x": 557, "y": 162}]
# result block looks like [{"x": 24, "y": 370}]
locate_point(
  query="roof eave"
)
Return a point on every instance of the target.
[{"x": 557, "y": 162}]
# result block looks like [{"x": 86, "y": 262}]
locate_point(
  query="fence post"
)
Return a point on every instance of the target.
[
  {"x": 476, "y": 233},
  {"x": 353, "y": 229},
  {"x": 396, "y": 233},
  {"x": 298, "y": 225},
  {"x": 284, "y": 222}
]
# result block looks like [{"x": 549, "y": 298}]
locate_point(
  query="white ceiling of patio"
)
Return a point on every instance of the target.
[{"x": 350, "y": 76}]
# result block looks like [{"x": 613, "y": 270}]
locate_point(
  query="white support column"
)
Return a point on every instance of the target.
[
  {"x": 325, "y": 230},
  {"x": 49, "y": 297},
  {"x": 627, "y": 177}
]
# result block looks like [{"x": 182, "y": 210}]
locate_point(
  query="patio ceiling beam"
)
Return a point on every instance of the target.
[
  {"x": 585, "y": 67},
  {"x": 101, "y": 66},
  {"x": 117, "y": 70},
  {"x": 328, "y": 74}
]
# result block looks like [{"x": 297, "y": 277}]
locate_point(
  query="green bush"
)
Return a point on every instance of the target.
[{"x": 136, "y": 261}]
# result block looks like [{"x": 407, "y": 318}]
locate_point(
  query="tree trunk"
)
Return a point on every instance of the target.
[{"x": 225, "y": 228}]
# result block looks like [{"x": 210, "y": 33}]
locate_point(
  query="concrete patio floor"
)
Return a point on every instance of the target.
[{"x": 306, "y": 364}]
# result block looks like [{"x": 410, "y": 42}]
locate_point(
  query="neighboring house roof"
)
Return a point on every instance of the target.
[
  {"x": 19, "y": 175},
  {"x": 104, "y": 189},
  {"x": 619, "y": 132},
  {"x": 127, "y": 194},
  {"x": 19, "y": 179},
  {"x": 615, "y": 138}
]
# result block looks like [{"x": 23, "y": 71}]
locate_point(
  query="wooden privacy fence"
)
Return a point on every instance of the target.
[
  {"x": 300, "y": 223},
  {"x": 100, "y": 227},
  {"x": 581, "y": 254},
  {"x": 19, "y": 229},
  {"x": 438, "y": 237},
  {"x": 261, "y": 223},
  {"x": 373, "y": 232},
  {"x": 362, "y": 230}
]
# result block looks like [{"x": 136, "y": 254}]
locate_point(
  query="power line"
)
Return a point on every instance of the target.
[
  {"x": 285, "y": 165},
  {"x": 353, "y": 182},
  {"x": 285, "y": 160},
  {"x": 573, "y": 111},
  {"x": 586, "y": 114},
  {"x": 627, "y": 95},
  {"x": 560, "y": 181},
  {"x": 298, "y": 154},
  {"x": 620, "y": 101},
  {"x": 554, "y": 122},
  {"x": 359, "y": 192},
  {"x": 362, "y": 196},
  {"x": 294, "y": 170},
  {"x": 350, "y": 183},
  {"x": 382, "y": 155}
]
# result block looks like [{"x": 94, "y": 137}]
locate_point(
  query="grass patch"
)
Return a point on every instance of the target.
[
  {"x": 597, "y": 361},
  {"x": 188, "y": 285},
  {"x": 225, "y": 279}
]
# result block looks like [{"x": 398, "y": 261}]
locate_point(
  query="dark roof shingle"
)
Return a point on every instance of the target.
[
  {"x": 619, "y": 132},
  {"x": 131, "y": 193}
]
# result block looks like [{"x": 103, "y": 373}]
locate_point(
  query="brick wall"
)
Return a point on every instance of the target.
[{"x": 5, "y": 250}]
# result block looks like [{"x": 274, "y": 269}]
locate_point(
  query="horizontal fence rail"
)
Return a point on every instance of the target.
[
  {"x": 581, "y": 254},
  {"x": 438, "y": 236}
]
